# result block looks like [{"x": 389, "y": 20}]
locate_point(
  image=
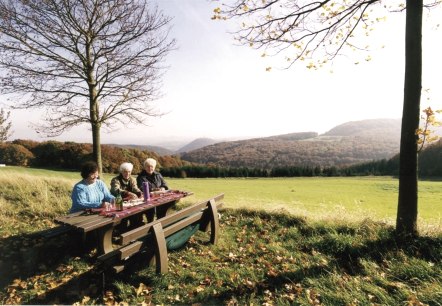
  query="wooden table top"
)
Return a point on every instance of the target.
[{"x": 92, "y": 219}]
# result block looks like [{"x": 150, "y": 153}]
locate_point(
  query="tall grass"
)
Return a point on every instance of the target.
[{"x": 27, "y": 200}]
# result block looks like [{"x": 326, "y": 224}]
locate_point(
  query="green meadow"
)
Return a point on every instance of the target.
[
  {"x": 316, "y": 198},
  {"x": 352, "y": 198}
]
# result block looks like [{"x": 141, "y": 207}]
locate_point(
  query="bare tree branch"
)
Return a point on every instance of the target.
[
  {"x": 300, "y": 28},
  {"x": 85, "y": 61},
  {"x": 5, "y": 127},
  {"x": 55, "y": 52}
]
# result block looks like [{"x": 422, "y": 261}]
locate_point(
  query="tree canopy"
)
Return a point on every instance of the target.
[
  {"x": 5, "y": 126},
  {"x": 97, "y": 62}
]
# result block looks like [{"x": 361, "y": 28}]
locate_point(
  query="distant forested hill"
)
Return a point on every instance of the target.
[
  {"x": 197, "y": 143},
  {"x": 346, "y": 144},
  {"x": 157, "y": 149}
]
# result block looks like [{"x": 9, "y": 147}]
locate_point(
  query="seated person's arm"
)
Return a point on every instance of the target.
[
  {"x": 135, "y": 189},
  {"x": 115, "y": 187},
  {"x": 107, "y": 195}
]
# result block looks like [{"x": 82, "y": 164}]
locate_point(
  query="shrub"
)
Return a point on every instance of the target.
[{"x": 14, "y": 154}]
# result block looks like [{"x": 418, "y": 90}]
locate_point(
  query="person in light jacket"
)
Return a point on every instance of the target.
[{"x": 90, "y": 192}]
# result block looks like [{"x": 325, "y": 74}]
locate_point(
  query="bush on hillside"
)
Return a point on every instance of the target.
[
  {"x": 70, "y": 155},
  {"x": 28, "y": 144},
  {"x": 15, "y": 155},
  {"x": 430, "y": 161},
  {"x": 47, "y": 154}
]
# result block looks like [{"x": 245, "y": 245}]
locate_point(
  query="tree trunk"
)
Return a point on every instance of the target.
[
  {"x": 96, "y": 146},
  {"x": 94, "y": 112},
  {"x": 406, "y": 222}
]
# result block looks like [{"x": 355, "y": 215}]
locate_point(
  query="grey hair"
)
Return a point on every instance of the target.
[
  {"x": 151, "y": 162},
  {"x": 126, "y": 167}
]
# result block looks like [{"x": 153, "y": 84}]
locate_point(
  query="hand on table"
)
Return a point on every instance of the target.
[
  {"x": 131, "y": 196},
  {"x": 159, "y": 189}
]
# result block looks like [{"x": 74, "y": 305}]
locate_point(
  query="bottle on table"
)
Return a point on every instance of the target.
[
  {"x": 146, "y": 191},
  {"x": 118, "y": 202}
]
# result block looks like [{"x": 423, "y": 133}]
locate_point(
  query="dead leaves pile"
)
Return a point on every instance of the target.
[{"x": 39, "y": 285}]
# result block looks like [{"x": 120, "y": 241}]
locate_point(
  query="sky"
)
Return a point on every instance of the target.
[{"x": 216, "y": 89}]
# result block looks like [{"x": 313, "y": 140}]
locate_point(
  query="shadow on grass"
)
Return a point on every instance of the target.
[
  {"x": 28, "y": 259},
  {"x": 86, "y": 288},
  {"x": 348, "y": 255}
]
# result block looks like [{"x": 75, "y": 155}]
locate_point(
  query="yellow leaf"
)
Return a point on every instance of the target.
[
  {"x": 85, "y": 300},
  {"x": 140, "y": 289}
]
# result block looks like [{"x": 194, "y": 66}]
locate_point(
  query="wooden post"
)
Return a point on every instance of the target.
[
  {"x": 161, "y": 260},
  {"x": 214, "y": 221},
  {"x": 105, "y": 239}
]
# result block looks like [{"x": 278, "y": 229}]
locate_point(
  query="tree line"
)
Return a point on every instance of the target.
[
  {"x": 382, "y": 167},
  {"x": 70, "y": 156}
]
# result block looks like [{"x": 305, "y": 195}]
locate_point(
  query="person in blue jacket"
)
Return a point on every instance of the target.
[{"x": 90, "y": 192}]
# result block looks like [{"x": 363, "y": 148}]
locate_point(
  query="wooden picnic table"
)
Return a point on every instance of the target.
[{"x": 104, "y": 222}]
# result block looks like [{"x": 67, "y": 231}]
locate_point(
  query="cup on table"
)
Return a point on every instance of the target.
[
  {"x": 107, "y": 206},
  {"x": 112, "y": 204}
]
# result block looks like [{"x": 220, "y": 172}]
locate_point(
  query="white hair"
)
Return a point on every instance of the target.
[
  {"x": 151, "y": 162},
  {"x": 126, "y": 167}
]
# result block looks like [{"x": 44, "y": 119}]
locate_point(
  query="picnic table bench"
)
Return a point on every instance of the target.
[
  {"x": 166, "y": 233},
  {"x": 105, "y": 222}
]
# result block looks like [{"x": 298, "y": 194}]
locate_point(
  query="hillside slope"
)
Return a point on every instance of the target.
[
  {"x": 346, "y": 144},
  {"x": 197, "y": 143},
  {"x": 157, "y": 149}
]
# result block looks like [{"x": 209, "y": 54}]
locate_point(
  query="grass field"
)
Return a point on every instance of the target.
[
  {"x": 317, "y": 198},
  {"x": 300, "y": 241}
]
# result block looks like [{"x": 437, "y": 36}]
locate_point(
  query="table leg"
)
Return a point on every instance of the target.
[
  {"x": 135, "y": 221},
  {"x": 150, "y": 215},
  {"x": 162, "y": 210},
  {"x": 105, "y": 239}
]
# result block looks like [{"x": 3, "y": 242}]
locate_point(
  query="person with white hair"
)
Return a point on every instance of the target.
[
  {"x": 153, "y": 178},
  {"x": 125, "y": 184}
]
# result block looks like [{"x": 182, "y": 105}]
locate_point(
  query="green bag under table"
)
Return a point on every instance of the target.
[{"x": 177, "y": 240}]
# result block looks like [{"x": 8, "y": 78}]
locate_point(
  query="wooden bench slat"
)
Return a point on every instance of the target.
[
  {"x": 181, "y": 224},
  {"x": 98, "y": 224},
  {"x": 131, "y": 249},
  {"x": 54, "y": 231},
  {"x": 189, "y": 210},
  {"x": 76, "y": 218},
  {"x": 136, "y": 233},
  {"x": 165, "y": 221},
  {"x": 86, "y": 223}
]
